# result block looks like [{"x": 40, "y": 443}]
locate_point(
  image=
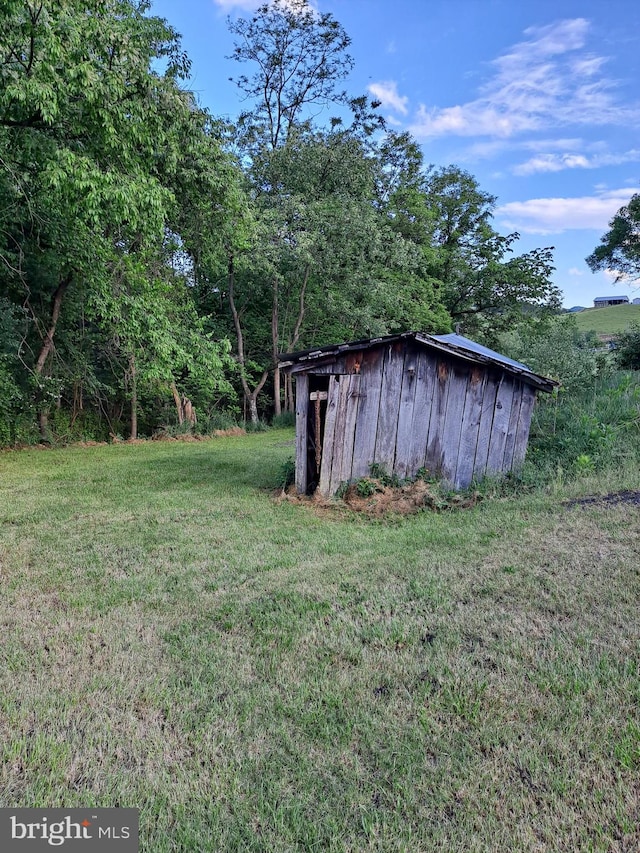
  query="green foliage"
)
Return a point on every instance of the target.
[
  {"x": 554, "y": 347},
  {"x": 341, "y": 491},
  {"x": 619, "y": 249},
  {"x": 365, "y": 487},
  {"x": 300, "y": 57},
  {"x": 100, "y": 147},
  {"x": 216, "y": 420},
  {"x": 257, "y": 426},
  {"x": 284, "y": 421},
  {"x": 141, "y": 235},
  {"x": 627, "y": 352},
  {"x": 482, "y": 287},
  {"x": 584, "y": 430},
  {"x": 287, "y": 475},
  {"x": 11, "y": 395}
]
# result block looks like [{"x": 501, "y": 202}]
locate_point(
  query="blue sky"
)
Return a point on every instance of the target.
[{"x": 538, "y": 99}]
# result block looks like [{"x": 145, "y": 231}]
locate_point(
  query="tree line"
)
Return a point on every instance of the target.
[{"x": 155, "y": 260}]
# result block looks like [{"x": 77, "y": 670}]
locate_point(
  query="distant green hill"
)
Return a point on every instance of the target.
[{"x": 608, "y": 321}]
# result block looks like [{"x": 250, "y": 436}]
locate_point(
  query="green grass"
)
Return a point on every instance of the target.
[
  {"x": 608, "y": 321},
  {"x": 256, "y": 676}
]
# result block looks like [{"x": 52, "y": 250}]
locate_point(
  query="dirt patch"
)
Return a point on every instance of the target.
[
  {"x": 612, "y": 499},
  {"x": 385, "y": 500}
]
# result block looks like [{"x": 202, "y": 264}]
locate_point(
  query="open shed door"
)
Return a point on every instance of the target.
[{"x": 343, "y": 395}]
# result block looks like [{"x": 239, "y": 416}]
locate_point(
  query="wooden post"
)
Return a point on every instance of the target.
[{"x": 302, "y": 403}]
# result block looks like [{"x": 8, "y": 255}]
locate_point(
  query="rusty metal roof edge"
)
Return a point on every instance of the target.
[{"x": 451, "y": 348}]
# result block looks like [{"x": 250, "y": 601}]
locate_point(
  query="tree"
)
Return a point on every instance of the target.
[
  {"x": 96, "y": 137},
  {"x": 299, "y": 59},
  {"x": 619, "y": 248},
  {"x": 483, "y": 289}
]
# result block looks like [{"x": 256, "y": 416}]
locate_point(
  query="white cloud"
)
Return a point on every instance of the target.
[
  {"x": 617, "y": 277},
  {"x": 387, "y": 93},
  {"x": 242, "y": 5},
  {"x": 555, "y": 215},
  {"x": 252, "y": 5},
  {"x": 552, "y": 144},
  {"x": 545, "y": 81},
  {"x": 551, "y": 163},
  {"x": 575, "y": 271},
  {"x": 558, "y": 162}
]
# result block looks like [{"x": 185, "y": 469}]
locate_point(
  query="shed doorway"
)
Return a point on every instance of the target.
[{"x": 316, "y": 419}]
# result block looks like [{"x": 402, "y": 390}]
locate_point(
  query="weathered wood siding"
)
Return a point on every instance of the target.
[
  {"x": 302, "y": 406},
  {"x": 391, "y": 387},
  {"x": 367, "y": 416},
  {"x": 406, "y": 408},
  {"x": 422, "y": 405}
]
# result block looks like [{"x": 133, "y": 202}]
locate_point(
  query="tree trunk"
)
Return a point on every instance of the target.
[
  {"x": 301, "y": 310},
  {"x": 253, "y": 408},
  {"x": 56, "y": 303},
  {"x": 250, "y": 396},
  {"x": 291, "y": 403},
  {"x": 134, "y": 396},
  {"x": 178, "y": 402},
  {"x": 277, "y": 406},
  {"x": 47, "y": 347}
]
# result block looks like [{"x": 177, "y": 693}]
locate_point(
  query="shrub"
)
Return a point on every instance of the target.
[
  {"x": 586, "y": 430},
  {"x": 287, "y": 475},
  {"x": 556, "y": 348},
  {"x": 284, "y": 420},
  {"x": 627, "y": 353}
]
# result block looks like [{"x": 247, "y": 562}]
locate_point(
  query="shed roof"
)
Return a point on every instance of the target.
[
  {"x": 613, "y": 298},
  {"x": 451, "y": 344}
]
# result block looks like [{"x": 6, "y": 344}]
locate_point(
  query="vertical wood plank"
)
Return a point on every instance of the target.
[
  {"x": 405, "y": 412},
  {"x": 458, "y": 381},
  {"x": 329, "y": 436},
  {"x": 351, "y": 419},
  {"x": 302, "y": 408},
  {"x": 425, "y": 381},
  {"x": 470, "y": 428},
  {"x": 338, "y": 434},
  {"x": 369, "y": 404},
  {"x": 524, "y": 424},
  {"x": 433, "y": 457},
  {"x": 486, "y": 423},
  {"x": 509, "y": 447},
  {"x": 389, "y": 406},
  {"x": 501, "y": 416}
]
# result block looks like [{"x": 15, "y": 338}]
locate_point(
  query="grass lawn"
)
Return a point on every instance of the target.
[
  {"x": 608, "y": 321},
  {"x": 256, "y": 676}
]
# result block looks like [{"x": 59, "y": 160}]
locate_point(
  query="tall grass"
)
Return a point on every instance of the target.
[{"x": 595, "y": 427}]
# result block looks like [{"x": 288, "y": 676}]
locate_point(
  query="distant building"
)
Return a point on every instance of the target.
[
  {"x": 635, "y": 301},
  {"x": 606, "y": 301}
]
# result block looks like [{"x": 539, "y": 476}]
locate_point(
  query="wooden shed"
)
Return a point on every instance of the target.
[{"x": 407, "y": 402}]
